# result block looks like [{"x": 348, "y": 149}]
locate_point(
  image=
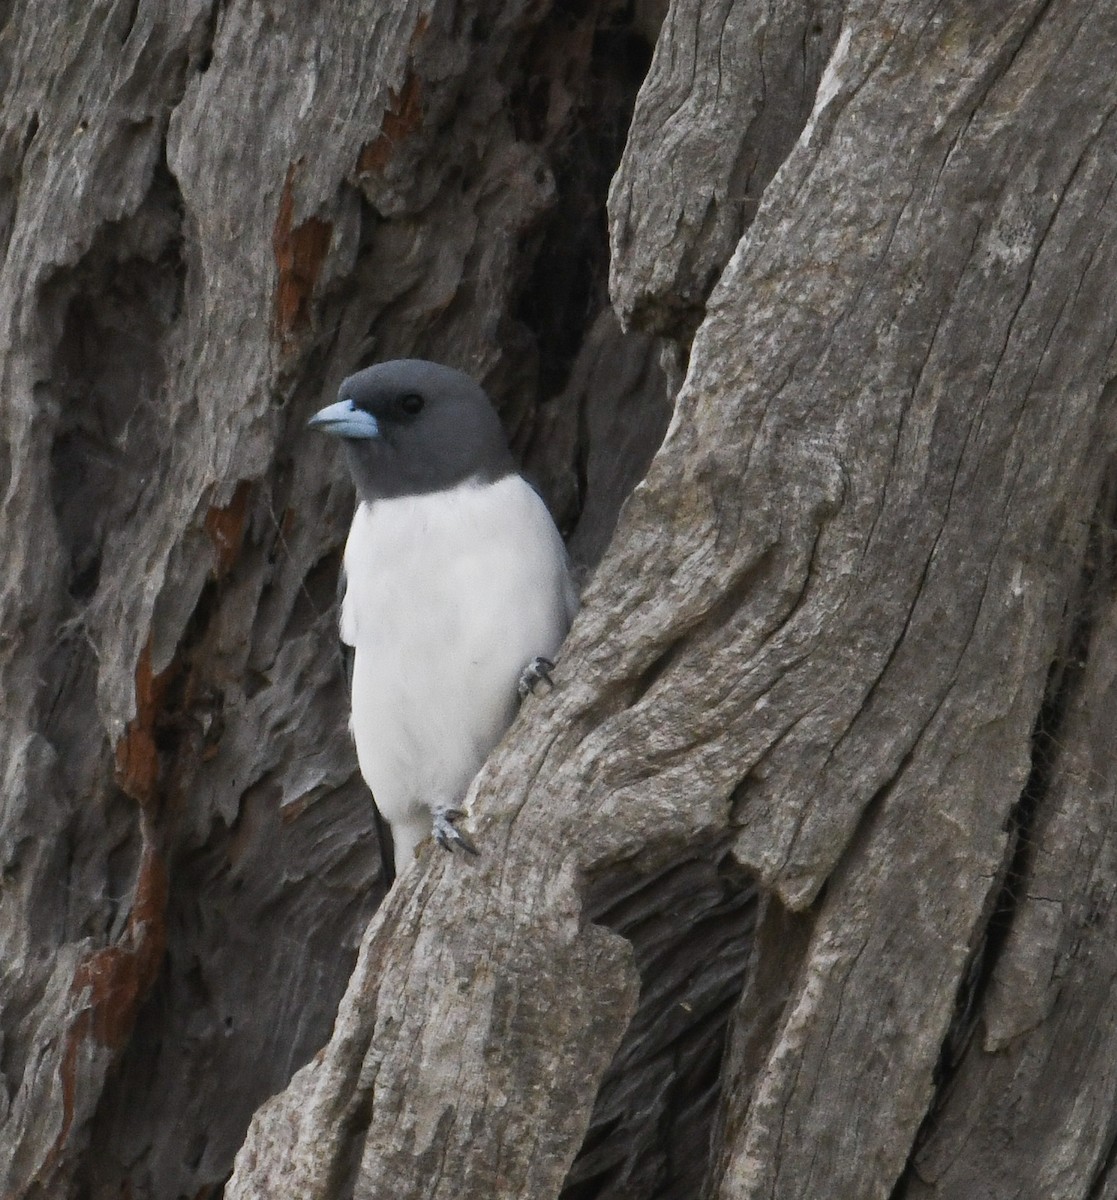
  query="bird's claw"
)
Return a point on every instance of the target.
[
  {"x": 536, "y": 672},
  {"x": 447, "y": 834}
]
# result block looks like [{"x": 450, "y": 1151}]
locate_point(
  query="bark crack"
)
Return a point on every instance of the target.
[{"x": 1065, "y": 679}]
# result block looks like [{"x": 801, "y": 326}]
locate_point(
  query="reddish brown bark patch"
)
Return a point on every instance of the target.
[
  {"x": 119, "y": 977},
  {"x": 225, "y": 527},
  {"x": 137, "y": 756},
  {"x": 300, "y": 251},
  {"x": 114, "y": 981},
  {"x": 404, "y": 115}
]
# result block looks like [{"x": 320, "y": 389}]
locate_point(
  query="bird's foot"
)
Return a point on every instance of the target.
[
  {"x": 535, "y": 675},
  {"x": 447, "y": 834}
]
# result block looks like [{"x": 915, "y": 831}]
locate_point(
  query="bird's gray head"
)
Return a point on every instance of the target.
[{"x": 412, "y": 427}]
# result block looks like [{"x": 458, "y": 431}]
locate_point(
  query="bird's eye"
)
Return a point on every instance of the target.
[{"x": 411, "y": 404}]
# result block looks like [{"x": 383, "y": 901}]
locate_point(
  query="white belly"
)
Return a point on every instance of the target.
[{"x": 447, "y": 598}]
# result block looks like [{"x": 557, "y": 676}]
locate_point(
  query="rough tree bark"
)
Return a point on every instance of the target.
[{"x": 801, "y": 882}]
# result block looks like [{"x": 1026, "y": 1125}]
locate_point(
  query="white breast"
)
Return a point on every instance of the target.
[{"x": 448, "y": 597}]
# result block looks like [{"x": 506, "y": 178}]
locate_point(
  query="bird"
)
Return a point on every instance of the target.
[{"x": 455, "y": 591}]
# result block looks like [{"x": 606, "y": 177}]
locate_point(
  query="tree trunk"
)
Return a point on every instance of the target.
[{"x": 799, "y": 883}]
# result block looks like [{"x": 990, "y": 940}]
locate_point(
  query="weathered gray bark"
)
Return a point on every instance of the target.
[
  {"x": 729, "y": 91},
  {"x": 847, "y": 650}
]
